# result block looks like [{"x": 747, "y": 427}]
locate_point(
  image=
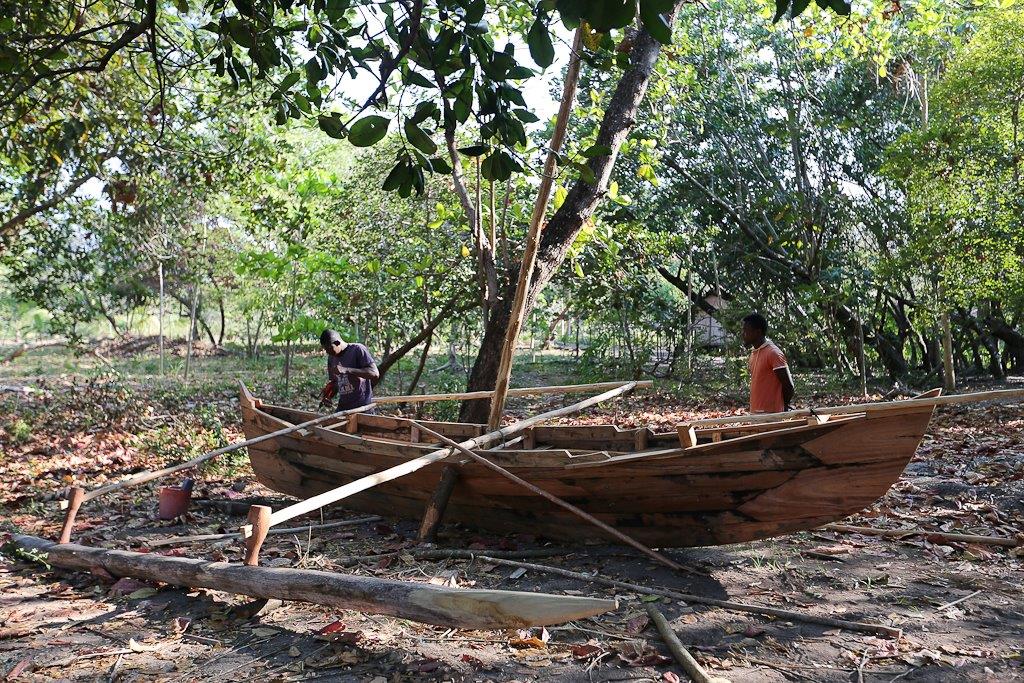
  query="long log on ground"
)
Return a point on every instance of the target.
[
  {"x": 900, "y": 533},
  {"x": 586, "y": 517},
  {"x": 954, "y": 399},
  {"x": 450, "y": 607},
  {"x": 143, "y": 477},
  {"x": 701, "y": 600},
  {"x": 690, "y": 665},
  {"x": 525, "y": 391},
  {"x": 176, "y": 540},
  {"x": 410, "y": 466}
]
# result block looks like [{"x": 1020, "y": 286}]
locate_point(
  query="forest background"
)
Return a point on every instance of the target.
[{"x": 258, "y": 172}]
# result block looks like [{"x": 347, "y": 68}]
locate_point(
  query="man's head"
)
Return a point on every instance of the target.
[
  {"x": 332, "y": 342},
  {"x": 755, "y": 327}
]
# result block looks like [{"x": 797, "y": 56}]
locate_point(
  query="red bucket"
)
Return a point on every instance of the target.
[{"x": 174, "y": 502}]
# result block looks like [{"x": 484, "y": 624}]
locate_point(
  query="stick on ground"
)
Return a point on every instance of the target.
[
  {"x": 899, "y": 533},
  {"x": 690, "y": 665}
]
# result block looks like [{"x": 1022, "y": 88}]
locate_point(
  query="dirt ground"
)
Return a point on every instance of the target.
[{"x": 960, "y": 606}]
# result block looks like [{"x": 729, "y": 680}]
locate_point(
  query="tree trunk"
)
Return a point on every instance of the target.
[
  {"x": 422, "y": 365},
  {"x": 390, "y": 359},
  {"x": 566, "y": 223}
]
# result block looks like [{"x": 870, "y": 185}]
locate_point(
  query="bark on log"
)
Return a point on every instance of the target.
[{"x": 450, "y": 607}]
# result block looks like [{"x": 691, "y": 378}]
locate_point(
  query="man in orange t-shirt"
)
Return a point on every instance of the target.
[{"x": 771, "y": 384}]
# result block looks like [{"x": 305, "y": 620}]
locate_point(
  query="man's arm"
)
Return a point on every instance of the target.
[
  {"x": 370, "y": 372},
  {"x": 786, "y": 379}
]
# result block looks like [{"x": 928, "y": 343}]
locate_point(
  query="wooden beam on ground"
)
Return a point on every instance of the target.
[
  {"x": 588, "y": 518},
  {"x": 977, "y": 397},
  {"x": 422, "y": 602},
  {"x": 410, "y": 466},
  {"x": 524, "y": 391},
  {"x": 540, "y": 207},
  {"x": 144, "y": 477}
]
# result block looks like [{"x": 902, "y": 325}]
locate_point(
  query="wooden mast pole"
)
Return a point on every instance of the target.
[{"x": 515, "y": 322}]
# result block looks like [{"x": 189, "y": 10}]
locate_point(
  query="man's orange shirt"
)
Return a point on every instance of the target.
[{"x": 765, "y": 387}]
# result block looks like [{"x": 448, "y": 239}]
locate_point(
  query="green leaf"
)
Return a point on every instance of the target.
[
  {"x": 181, "y": 6},
  {"x": 539, "y": 41},
  {"x": 439, "y": 165},
  {"x": 314, "y": 72},
  {"x": 332, "y": 125},
  {"x": 288, "y": 81},
  {"x": 368, "y": 130},
  {"x": 397, "y": 176},
  {"x": 604, "y": 15},
  {"x": 526, "y": 116},
  {"x": 418, "y": 139},
  {"x": 655, "y": 23},
  {"x": 781, "y": 6},
  {"x": 302, "y": 102},
  {"x": 474, "y": 150},
  {"x": 597, "y": 151},
  {"x": 416, "y": 78},
  {"x": 586, "y": 173},
  {"x": 519, "y": 73},
  {"x": 142, "y": 593}
]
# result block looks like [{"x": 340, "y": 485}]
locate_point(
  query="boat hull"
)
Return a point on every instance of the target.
[{"x": 736, "y": 490}]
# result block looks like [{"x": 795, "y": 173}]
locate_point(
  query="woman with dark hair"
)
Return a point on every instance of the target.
[{"x": 351, "y": 371}]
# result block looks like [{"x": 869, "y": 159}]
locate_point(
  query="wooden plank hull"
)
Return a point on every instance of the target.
[{"x": 731, "y": 491}]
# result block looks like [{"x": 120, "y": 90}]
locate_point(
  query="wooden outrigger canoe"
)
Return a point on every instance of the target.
[{"x": 692, "y": 487}]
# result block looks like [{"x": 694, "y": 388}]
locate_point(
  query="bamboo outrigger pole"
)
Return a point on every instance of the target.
[{"x": 515, "y": 321}]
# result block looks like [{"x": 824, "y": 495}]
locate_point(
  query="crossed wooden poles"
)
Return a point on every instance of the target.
[{"x": 261, "y": 518}]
